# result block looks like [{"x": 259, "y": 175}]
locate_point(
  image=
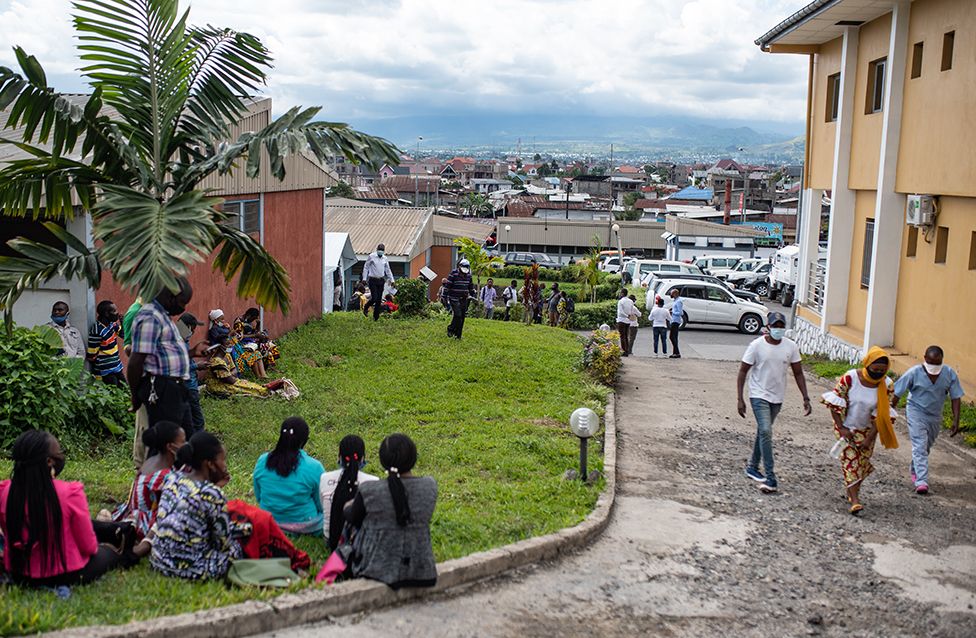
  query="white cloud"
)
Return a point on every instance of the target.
[{"x": 415, "y": 57}]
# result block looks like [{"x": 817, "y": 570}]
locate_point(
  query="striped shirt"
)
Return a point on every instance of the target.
[
  {"x": 155, "y": 335},
  {"x": 103, "y": 348}
]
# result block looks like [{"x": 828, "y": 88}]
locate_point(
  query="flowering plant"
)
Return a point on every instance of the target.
[{"x": 601, "y": 356}]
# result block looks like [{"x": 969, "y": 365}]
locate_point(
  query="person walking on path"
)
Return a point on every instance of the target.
[
  {"x": 376, "y": 272},
  {"x": 766, "y": 362},
  {"x": 634, "y": 323},
  {"x": 159, "y": 366},
  {"x": 859, "y": 406},
  {"x": 487, "y": 297},
  {"x": 72, "y": 343},
  {"x": 677, "y": 318},
  {"x": 103, "y": 345},
  {"x": 660, "y": 318},
  {"x": 510, "y": 297},
  {"x": 552, "y": 305},
  {"x": 625, "y": 308},
  {"x": 460, "y": 290},
  {"x": 927, "y": 386}
]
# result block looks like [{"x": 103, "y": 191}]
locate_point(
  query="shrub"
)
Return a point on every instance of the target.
[
  {"x": 505, "y": 274},
  {"x": 590, "y": 315},
  {"x": 411, "y": 297},
  {"x": 601, "y": 356}
]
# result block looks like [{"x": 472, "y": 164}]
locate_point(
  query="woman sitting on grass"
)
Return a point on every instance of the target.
[
  {"x": 225, "y": 380},
  {"x": 286, "y": 481},
  {"x": 392, "y": 542},
  {"x": 51, "y": 540},
  {"x": 338, "y": 487},
  {"x": 245, "y": 355},
  {"x": 248, "y": 329},
  {"x": 166, "y": 438}
]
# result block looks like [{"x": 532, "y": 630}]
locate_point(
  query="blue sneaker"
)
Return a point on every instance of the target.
[
  {"x": 755, "y": 475},
  {"x": 768, "y": 486}
]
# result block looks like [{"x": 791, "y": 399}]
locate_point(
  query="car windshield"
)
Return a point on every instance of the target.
[{"x": 745, "y": 266}]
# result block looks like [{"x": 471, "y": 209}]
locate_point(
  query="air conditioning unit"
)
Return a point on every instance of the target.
[{"x": 920, "y": 210}]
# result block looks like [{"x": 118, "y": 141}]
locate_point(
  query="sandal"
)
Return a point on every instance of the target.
[{"x": 856, "y": 509}]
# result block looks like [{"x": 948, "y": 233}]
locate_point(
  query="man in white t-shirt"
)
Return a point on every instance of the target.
[{"x": 766, "y": 362}]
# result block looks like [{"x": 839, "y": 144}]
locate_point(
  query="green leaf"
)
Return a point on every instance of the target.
[{"x": 259, "y": 275}]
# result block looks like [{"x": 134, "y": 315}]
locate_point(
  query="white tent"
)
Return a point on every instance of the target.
[{"x": 338, "y": 258}]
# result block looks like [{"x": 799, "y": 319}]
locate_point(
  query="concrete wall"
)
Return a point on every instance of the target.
[
  {"x": 857, "y": 299},
  {"x": 441, "y": 262},
  {"x": 823, "y": 133},
  {"x": 866, "y": 132}
]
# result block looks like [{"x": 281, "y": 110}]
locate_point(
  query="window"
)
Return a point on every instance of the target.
[
  {"x": 876, "y": 86},
  {"x": 868, "y": 254},
  {"x": 833, "y": 97},
  {"x": 912, "y": 241},
  {"x": 714, "y": 294},
  {"x": 941, "y": 244},
  {"x": 693, "y": 292},
  {"x": 917, "y": 60},
  {"x": 245, "y": 215},
  {"x": 972, "y": 250},
  {"x": 948, "y": 40}
]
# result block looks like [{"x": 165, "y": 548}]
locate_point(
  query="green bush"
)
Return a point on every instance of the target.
[
  {"x": 589, "y": 316},
  {"x": 411, "y": 297},
  {"x": 601, "y": 356},
  {"x": 506, "y": 274}
]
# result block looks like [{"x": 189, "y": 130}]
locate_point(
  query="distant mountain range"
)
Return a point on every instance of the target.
[{"x": 673, "y": 137}]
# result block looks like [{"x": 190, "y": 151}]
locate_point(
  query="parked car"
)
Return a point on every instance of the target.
[
  {"x": 751, "y": 279},
  {"x": 650, "y": 279},
  {"x": 710, "y": 264},
  {"x": 638, "y": 268},
  {"x": 526, "y": 259},
  {"x": 710, "y": 304},
  {"x": 744, "y": 265},
  {"x": 612, "y": 264}
]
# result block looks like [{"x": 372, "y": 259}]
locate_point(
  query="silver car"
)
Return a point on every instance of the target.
[{"x": 709, "y": 304}]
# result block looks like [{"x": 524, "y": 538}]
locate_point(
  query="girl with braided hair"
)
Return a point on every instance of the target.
[{"x": 338, "y": 487}]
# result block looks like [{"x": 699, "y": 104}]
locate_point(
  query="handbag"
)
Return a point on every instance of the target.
[
  {"x": 338, "y": 561},
  {"x": 263, "y": 572}
]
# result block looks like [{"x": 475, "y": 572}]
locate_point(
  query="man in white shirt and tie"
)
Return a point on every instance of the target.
[{"x": 376, "y": 272}]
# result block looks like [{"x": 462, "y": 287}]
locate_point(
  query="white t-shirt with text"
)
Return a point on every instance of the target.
[{"x": 770, "y": 365}]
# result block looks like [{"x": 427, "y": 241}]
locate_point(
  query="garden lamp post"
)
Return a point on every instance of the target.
[
  {"x": 584, "y": 423},
  {"x": 620, "y": 251},
  {"x": 508, "y": 229}
]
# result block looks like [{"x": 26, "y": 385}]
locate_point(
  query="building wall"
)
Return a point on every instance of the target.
[
  {"x": 857, "y": 297},
  {"x": 938, "y": 136},
  {"x": 441, "y": 262},
  {"x": 417, "y": 263},
  {"x": 823, "y": 133},
  {"x": 866, "y": 128},
  {"x": 936, "y": 302}
]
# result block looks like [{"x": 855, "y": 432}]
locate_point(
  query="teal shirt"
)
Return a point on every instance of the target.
[{"x": 293, "y": 498}]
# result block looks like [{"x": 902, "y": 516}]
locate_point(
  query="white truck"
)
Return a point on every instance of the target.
[{"x": 785, "y": 274}]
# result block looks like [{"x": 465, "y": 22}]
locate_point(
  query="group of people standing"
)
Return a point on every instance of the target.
[{"x": 861, "y": 405}]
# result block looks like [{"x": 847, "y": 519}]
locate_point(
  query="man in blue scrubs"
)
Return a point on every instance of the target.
[{"x": 927, "y": 386}]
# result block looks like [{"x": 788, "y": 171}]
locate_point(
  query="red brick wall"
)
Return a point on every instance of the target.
[
  {"x": 293, "y": 234},
  {"x": 441, "y": 262}
]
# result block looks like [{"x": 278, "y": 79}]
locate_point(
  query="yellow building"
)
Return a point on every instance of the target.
[{"x": 891, "y": 113}]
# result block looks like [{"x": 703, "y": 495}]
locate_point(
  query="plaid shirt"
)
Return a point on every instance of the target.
[{"x": 155, "y": 335}]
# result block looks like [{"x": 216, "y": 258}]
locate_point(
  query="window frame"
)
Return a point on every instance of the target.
[
  {"x": 239, "y": 217},
  {"x": 918, "y": 51},
  {"x": 832, "y": 109},
  {"x": 867, "y": 255},
  {"x": 948, "y": 44},
  {"x": 877, "y": 85},
  {"x": 941, "y": 244}
]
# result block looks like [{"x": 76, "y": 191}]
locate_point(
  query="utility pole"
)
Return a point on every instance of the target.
[{"x": 610, "y": 216}]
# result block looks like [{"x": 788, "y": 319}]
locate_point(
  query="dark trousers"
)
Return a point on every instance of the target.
[
  {"x": 660, "y": 334},
  {"x": 508, "y": 312},
  {"x": 459, "y": 308},
  {"x": 102, "y": 561},
  {"x": 376, "y": 286},
  {"x": 673, "y": 330},
  {"x": 631, "y": 339},
  {"x": 172, "y": 401},
  {"x": 117, "y": 379},
  {"x": 196, "y": 411},
  {"x": 623, "y": 329}
]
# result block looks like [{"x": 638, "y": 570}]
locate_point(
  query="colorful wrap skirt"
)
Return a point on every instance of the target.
[{"x": 855, "y": 460}]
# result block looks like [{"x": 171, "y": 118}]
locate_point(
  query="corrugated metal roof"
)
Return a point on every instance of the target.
[
  {"x": 412, "y": 183},
  {"x": 822, "y": 21},
  {"x": 704, "y": 194},
  {"x": 447, "y": 229},
  {"x": 405, "y": 230},
  {"x": 684, "y": 227}
]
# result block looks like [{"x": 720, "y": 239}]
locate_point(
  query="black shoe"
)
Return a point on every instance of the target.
[{"x": 675, "y": 356}]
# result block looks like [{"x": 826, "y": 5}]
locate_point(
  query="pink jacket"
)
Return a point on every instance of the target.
[{"x": 78, "y": 535}]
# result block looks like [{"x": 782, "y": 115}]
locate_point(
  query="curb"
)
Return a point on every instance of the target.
[{"x": 316, "y": 604}]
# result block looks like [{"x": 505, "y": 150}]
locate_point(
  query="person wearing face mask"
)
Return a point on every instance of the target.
[
  {"x": 766, "y": 363},
  {"x": 927, "y": 386},
  {"x": 677, "y": 318},
  {"x": 159, "y": 366},
  {"x": 51, "y": 540},
  {"x": 72, "y": 343},
  {"x": 166, "y": 437},
  {"x": 460, "y": 290},
  {"x": 376, "y": 272},
  {"x": 860, "y": 407},
  {"x": 103, "y": 345}
]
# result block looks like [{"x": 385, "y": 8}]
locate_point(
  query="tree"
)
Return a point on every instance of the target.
[
  {"x": 536, "y": 158},
  {"x": 164, "y": 97},
  {"x": 481, "y": 262},
  {"x": 589, "y": 270},
  {"x": 340, "y": 189},
  {"x": 477, "y": 205},
  {"x": 543, "y": 170}
]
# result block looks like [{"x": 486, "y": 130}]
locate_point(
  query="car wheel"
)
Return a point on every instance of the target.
[
  {"x": 750, "y": 324},
  {"x": 762, "y": 289}
]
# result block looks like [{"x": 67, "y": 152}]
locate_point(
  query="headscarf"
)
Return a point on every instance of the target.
[
  {"x": 215, "y": 315},
  {"x": 885, "y": 430}
]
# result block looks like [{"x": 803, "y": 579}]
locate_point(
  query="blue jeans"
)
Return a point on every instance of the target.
[
  {"x": 661, "y": 332},
  {"x": 765, "y": 413}
]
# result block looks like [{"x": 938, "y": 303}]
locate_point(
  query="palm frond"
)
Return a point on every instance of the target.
[
  {"x": 38, "y": 262},
  {"x": 42, "y": 186},
  {"x": 259, "y": 275},
  {"x": 148, "y": 244}
]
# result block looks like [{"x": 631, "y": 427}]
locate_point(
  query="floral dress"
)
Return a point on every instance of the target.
[
  {"x": 857, "y": 405},
  {"x": 265, "y": 347},
  {"x": 143, "y": 504},
  {"x": 563, "y": 311},
  {"x": 195, "y": 535},
  {"x": 224, "y": 381}
]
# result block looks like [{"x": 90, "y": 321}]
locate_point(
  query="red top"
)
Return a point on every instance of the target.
[{"x": 77, "y": 533}]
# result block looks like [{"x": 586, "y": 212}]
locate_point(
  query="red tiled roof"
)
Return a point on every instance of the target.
[
  {"x": 627, "y": 168},
  {"x": 644, "y": 204}
]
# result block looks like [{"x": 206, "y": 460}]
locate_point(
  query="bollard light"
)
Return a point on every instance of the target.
[{"x": 584, "y": 423}]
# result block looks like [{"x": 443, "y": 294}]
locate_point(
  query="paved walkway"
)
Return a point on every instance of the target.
[{"x": 693, "y": 549}]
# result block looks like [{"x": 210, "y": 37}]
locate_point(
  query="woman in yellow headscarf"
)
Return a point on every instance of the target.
[{"x": 860, "y": 407}]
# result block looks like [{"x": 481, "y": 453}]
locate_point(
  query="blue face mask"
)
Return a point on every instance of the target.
[
  {"x": 379, "y": 253},
  {"x": 777, "y": 334},
  {"x": 59, "y": 320}
]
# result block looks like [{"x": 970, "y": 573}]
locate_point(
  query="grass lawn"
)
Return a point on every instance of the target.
[{"x": 488, "y": 415}]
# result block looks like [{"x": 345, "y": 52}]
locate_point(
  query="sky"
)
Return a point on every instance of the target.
[{"x": 384, "y": 58}]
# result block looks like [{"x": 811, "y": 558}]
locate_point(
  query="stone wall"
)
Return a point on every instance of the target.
[{"x": 813, "y": 341}]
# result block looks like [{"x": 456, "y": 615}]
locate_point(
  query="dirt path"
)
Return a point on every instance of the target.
[{"x": 694, "y": 549}]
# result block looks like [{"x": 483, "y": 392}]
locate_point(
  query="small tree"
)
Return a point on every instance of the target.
[
  {"x": 477, "y": 205},
  {"x": 481, "y": 262},
  {"x": 340, "y": 189},
  {"x": 589, "y": 270}
]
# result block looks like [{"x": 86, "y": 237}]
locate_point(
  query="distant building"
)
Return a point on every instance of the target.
[{"x": 418, "y": 190}]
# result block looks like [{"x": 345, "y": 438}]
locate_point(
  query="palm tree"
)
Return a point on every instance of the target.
[
  {"x": 589, "y": 270},
  {"x": 157, "y": 123},
  {"x": 481, "y": 262},
  {"x": 477, "y": 205}
]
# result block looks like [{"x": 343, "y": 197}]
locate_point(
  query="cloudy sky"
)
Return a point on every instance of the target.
[{"x": 378, "y": 58}]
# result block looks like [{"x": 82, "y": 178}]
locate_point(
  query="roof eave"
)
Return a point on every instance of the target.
[{"x": 813, "y": 9}]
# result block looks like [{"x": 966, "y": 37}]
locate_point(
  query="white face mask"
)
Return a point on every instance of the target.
[
  {"x": 465, "y": 269},
  {"x": 934, "y": 370}
]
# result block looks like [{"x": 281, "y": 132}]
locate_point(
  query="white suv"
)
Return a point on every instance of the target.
[
  {"x": 709, "y": 304},
  {"x": 638, "y": 268}
]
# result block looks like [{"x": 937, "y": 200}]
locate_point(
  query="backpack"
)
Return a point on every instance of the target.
[{"x": 570, "y": 304}]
